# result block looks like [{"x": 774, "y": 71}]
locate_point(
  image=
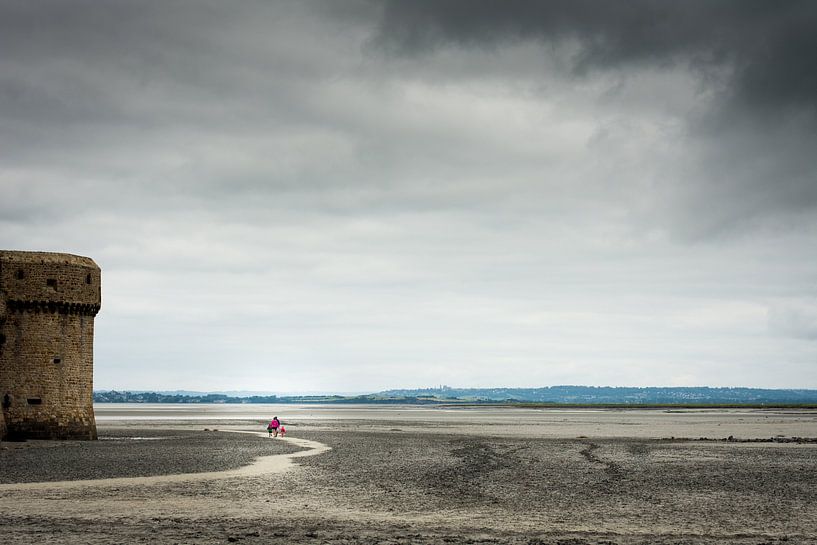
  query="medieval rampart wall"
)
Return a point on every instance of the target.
[{"x": 46, "y": 344}]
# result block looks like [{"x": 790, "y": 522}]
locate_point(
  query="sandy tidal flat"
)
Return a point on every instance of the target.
[{"x": 417, "y": 475}]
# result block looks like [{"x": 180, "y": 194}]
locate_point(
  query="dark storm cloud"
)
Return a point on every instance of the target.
[
  {"x": 769, "y": 49},
  {"x": 745, "y": 148}
]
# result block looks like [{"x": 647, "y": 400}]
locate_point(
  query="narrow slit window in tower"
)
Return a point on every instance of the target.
[
  {"x": 20, "y": 274},
  {"x": 51, "y": 283}
]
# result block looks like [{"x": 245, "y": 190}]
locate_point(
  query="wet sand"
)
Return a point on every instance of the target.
[{"x": 417, "y": 475}]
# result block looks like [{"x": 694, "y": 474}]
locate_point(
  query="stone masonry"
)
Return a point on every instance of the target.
[{"x": 48, "y": 302}]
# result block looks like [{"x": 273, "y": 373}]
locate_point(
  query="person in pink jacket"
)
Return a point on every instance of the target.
[{"x": 273, "y": 427}]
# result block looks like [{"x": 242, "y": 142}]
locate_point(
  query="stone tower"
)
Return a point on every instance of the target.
[{"x": 47, "y": 306}]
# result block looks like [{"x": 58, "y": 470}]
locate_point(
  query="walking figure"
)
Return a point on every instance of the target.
[{"x": 273, "y": 427}]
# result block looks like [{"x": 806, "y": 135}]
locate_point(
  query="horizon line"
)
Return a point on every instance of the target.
[{"x": 237, "y": 393}]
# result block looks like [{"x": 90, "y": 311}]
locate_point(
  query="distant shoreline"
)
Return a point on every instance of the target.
[
  {"x": 565, "y": 396},
  {"x": 467, "y": 404}
]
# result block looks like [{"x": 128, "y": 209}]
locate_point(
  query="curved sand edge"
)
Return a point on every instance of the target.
[{"x": 276, "y": 463}]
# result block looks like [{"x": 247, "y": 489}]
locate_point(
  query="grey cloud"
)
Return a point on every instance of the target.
[
  {"x": 797, "y": 320},
  {"x": 227, "y": 104},
  {"x": 766, "y": 48},
  {"x": 153, "y": 65},
  {"x": 744, "y": 150}
]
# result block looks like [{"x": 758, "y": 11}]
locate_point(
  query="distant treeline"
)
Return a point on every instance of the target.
[
  {"x": 602, "y": 395},
  {"x": 556, "y": 395},
  {"x": 159, "y": 397}
]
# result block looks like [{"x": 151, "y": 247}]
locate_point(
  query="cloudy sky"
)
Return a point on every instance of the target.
[{"x": 353, "y": 196}]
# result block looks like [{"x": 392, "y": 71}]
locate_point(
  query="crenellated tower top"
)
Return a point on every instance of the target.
[{"x": 49, "y": 282}]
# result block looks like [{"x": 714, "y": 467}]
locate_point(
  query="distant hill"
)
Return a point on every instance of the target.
[
  {"x": 619, "y": 395},
  {"x": 556, "y": 395}
]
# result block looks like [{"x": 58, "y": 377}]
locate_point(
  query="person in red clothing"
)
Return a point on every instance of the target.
[{"x": 273, "y": 427}]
